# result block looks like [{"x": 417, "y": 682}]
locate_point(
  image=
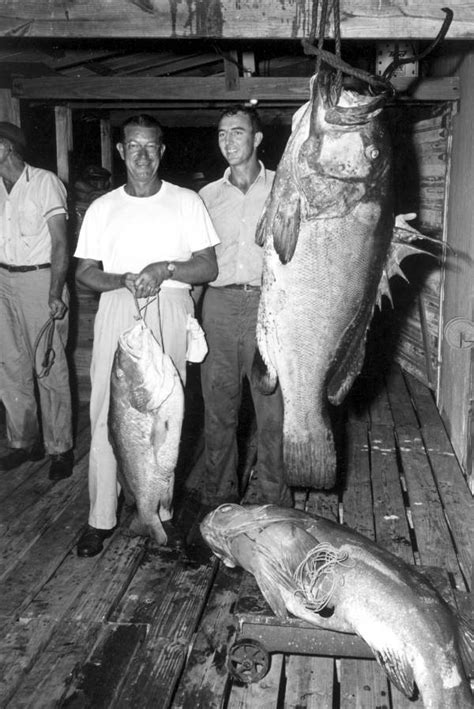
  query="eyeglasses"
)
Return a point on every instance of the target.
[{"x": 134, "y": 148}]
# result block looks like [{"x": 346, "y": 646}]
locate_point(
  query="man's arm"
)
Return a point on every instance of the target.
[
  {"x": 89, "y": 273},
  {"x": 59, "y": 264},
  {"x": 200, "y": 268}
]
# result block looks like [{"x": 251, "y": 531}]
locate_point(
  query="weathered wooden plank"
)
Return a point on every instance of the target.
[
  {"x": 362, "y": 682},
  {"x": 325, "y": 504},
  {"x": 401, "y": 404},
  {"x": 50, "y": 671},
  {"x": 432, "y": 534},
  {"x": 309, "y": 682},
  {"x": 88, "y": 589},
  {"x": 229, "y": 19},
  {"x": 40, "y": 563},
  {"x": 97, "y": 682},
  {"x": 155, "y": 670},
  {"x": 455, "y": 496},
  {"x": 20, "y": 644},
  {"x": 380, "y": 406},
  {"x": 204, "y": 681},
  {"x": 391, "y": 525},
  {"x": 363, "y": 685},
  {"x": 357, "y": 493},
  {"x": 203, "y": 89},
  {"x": 23, "y": 533},
  {"x": 113, "y": 571}
]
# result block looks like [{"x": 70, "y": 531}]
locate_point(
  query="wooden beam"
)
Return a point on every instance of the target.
[
  {"x": 106, "y": 147},
  {"x": 205, "y": 89},
  {"x": 200, "y": 118},
  {"x": 266, "y": 19}
]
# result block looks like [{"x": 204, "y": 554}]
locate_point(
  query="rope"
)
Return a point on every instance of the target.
[
  {"x": 378, "y": 83},
  {"x": 338, "y": 63},
  {"x": 316, "y": 575},
  {"x": 46, "y": 331}
]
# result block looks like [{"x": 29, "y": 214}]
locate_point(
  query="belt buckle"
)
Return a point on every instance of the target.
[{"x": 247, "y": 287}]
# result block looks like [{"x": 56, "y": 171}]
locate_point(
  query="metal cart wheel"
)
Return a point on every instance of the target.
[{"x": 248, "y": 661}]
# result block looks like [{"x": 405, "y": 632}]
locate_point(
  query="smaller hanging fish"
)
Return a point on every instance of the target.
[
  {"x": 335, "y": 578},
  {"x": 145, "y": 419}
]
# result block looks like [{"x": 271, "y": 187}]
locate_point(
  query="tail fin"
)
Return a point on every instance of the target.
[
  {"x": 265, "y": 381},
  {"x": 310, "y": 459}
]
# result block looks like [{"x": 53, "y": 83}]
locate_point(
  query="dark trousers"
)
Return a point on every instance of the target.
[{"x": 229, "y": 321}]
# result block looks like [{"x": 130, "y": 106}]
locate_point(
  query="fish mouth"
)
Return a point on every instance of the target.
[{"x": 344, "y": 107}]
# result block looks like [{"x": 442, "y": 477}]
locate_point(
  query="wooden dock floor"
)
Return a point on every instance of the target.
[{"x": 143, "y": 627}]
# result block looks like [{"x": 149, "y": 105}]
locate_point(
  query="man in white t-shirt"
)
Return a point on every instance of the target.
[{"x": 146, "y": 237}]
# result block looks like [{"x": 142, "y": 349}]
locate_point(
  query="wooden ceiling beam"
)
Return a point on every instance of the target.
[
  {"x": 205, "y": 89},
  {"x": 266, "y": 19}
]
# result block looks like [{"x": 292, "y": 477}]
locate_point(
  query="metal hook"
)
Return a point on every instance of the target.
[{"x": 416, "y": 57}]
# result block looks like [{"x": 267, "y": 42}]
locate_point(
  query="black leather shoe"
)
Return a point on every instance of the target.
[
  {"x": 61, "y": 465},
  {"x": 92, "y": 541},
  {"x": 17, "y": 456}
]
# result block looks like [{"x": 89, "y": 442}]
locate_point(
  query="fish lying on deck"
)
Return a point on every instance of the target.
[
  {"x": 145, "y": 419},
  {"x": 326, "y": 229},
  {"x": 335, "y": 578}
]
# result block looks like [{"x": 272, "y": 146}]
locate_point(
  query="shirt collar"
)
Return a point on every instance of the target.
[{"x": 262, "y": 175}]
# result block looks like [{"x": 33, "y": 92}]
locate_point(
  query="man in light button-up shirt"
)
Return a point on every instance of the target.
[
  {"x": 34, "y": 260},
  {"x": 230, "y": 308}
]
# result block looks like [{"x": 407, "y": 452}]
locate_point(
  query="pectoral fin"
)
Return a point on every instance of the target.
[
  {"x": 272, "y": 594},
  {"x": 397, "y": 669}
]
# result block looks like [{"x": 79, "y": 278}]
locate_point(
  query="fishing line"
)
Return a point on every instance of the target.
[
  {"x": 316, "y": 575},
  {"x": 49, "y": 355}
]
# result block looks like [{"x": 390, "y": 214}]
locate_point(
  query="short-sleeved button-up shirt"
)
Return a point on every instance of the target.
[
  {"x": 235, "y": 216},
  {"x": 35, "y": 197}
]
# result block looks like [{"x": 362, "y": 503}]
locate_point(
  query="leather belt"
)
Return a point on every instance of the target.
[
  {"x": 24, "y": 269},
  {"x": 242, "y": 286}
]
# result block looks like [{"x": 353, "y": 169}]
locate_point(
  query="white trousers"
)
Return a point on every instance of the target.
[{"x": 117, "y": 312}]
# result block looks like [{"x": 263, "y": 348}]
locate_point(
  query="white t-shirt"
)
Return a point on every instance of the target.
[{"x": 127, "y": 233}]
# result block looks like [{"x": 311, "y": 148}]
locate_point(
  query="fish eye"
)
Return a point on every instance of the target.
[{"x": 372, "y": 152}]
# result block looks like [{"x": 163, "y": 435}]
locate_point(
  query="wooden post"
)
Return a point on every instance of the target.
[
  {"x": 63, "y": 119},
  {"x": 231, "y": 69},
  {"x": 9, "y": 107},
  {"x": 106, "y": 148}
]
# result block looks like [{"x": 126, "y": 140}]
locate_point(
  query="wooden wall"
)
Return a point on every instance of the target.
[{"x": 457, "y": 366}]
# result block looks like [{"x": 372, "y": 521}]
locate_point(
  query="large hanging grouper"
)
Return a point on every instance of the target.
[
  {"x": 327, "y": 230},
  {"x": 337, "y": 579}
]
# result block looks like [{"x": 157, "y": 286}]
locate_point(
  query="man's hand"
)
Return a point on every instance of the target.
[
  {"x": 128, "y": 281},
  {"x": 57, "y": 308},
  {"x": 148, "y": 281}
]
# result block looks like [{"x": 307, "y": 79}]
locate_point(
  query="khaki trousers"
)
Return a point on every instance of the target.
[{"x": 23, "y": 312}]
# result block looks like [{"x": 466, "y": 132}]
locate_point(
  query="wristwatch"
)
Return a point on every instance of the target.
[{"x": 171, "y": 269}]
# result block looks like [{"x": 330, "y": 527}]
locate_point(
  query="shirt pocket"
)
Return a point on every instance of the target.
[{"x": 30, "y": 222}]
